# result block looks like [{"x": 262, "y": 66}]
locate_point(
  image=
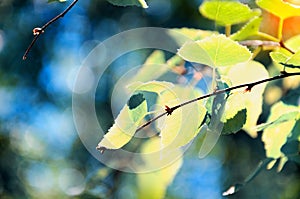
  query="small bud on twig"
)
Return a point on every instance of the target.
[{"x": 37, "y": 31}]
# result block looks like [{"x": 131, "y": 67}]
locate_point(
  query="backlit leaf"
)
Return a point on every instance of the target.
[
  {"x": 154, "y": 184},
  {"x": 227, "y": 12},
  {"x": 194, "y": 34},
  {"x": 215, "y": 51},
  {"x": 280, "y": 8},
  {"x": 153, "y": 68},
  {"x": 284, "y": 117},
  {"x": 250, "y": 29},
  {"x": 251, "y": 100},
  {"x": 152, "y": 86},
  {"x": 275, "y": 135},
  {"x": 213, "y": 130},
  {"x": 179, "y": 128},
  {"x": 293, "y": 43},
  {"x": 292, "y": 60},
  {"x": 124, "y": 128}
]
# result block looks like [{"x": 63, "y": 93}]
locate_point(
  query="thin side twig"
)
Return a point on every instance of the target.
[{"x": 38, "y": 31}]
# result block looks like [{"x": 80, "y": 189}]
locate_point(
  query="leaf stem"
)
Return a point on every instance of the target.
[
  {"x": 248, "y": 86},
  {"x": 228, "y": 30},
  {"x": 267, "y": 36},
  {"x": 280, "y": 27},
  {"x": 38, "y": 31},
  {"x": 236, "y": 187}
]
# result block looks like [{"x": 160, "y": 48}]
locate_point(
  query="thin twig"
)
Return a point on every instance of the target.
[
  {"x": 38, "y": 31},
  {"x": 249, "y": 86},
  {"x": 259, "y": 43}
]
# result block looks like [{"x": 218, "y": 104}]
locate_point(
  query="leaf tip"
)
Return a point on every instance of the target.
[{"x": 229, "y": 191}]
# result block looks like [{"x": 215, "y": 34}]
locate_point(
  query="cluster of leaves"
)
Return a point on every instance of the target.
[{"x": 231, "y": 64}]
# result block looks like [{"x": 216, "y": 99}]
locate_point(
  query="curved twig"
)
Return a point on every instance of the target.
[{"x": 38, "y": 31}]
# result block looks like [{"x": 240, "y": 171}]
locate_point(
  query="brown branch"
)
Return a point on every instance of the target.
[
  {"x": 258, "y": 43},
  {"x": 169, "y": 110},
  {"x": 248, "y": 86},
  {"x": 38, "y": 31}
]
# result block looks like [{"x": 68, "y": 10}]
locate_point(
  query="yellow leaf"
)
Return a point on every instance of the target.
[
  {"x": 153, "y": 185},
  {"x": 275, "y": 136},
  {"x": 124, "y": 128},
  {"x": 279, "y": 8},
  {"x": 179, "y": 128}
]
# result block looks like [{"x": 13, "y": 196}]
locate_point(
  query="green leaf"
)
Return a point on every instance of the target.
[
  {"x": 194, "y": 34},
  {"x": 291, "y": 61},
  {"x": 275, "y": 135},
  {"x": 213, "y": 131},
  {"x": 250, "y": 29},
  {"x": 179, "y": 128},
  {"x": 279, "y": 57},
  {"x": 154, "y": 184},
  {"x": 135, "y": 101},
  {"x": 124, "y": 128},
  {"x": 252, "y": 100},
  {"x": 280, "y": 8},
  {"x": 152, "y": 86},
  {"x": 236, "y": 123},
  {"x": 215, "y": 51},
  {"x": 153, "y": 68},
  {"x": 296, "y": 132},
  {"x": 281, "y": 119},
  {"x": 175, "y": 61},
  {"x": 141, "y": 3},
  {"x": 290, "y": 148},
  {"x": 238, "y": 186},
  {"x": 293, "y": 43},
  {"x": 227, "y": 12}
]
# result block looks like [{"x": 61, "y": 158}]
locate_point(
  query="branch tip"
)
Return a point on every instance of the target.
[{"x": 38, "y": 31}]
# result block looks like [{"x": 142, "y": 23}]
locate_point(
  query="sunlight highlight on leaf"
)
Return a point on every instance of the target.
[
  {"x": 195, "y": 34},
  {"x": 275, "y": 135},
  {"x": 251, "y": 100},
  {"x": 293, "y": 59},
  {"x": 215, "y": 51},
  {"x": 154, "y": 184},
  {"x": 183, "y": 124},
  {"x": 153, "y": 68},
  {"x": 227, "y": 12},
  {"x": 124, "y": 128},
  {"x": 279, "y": 8},
  {"x": 212, "y": 131},
  {"x": 152, "y": 86},
  {"x": 250, "y": 29}
]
